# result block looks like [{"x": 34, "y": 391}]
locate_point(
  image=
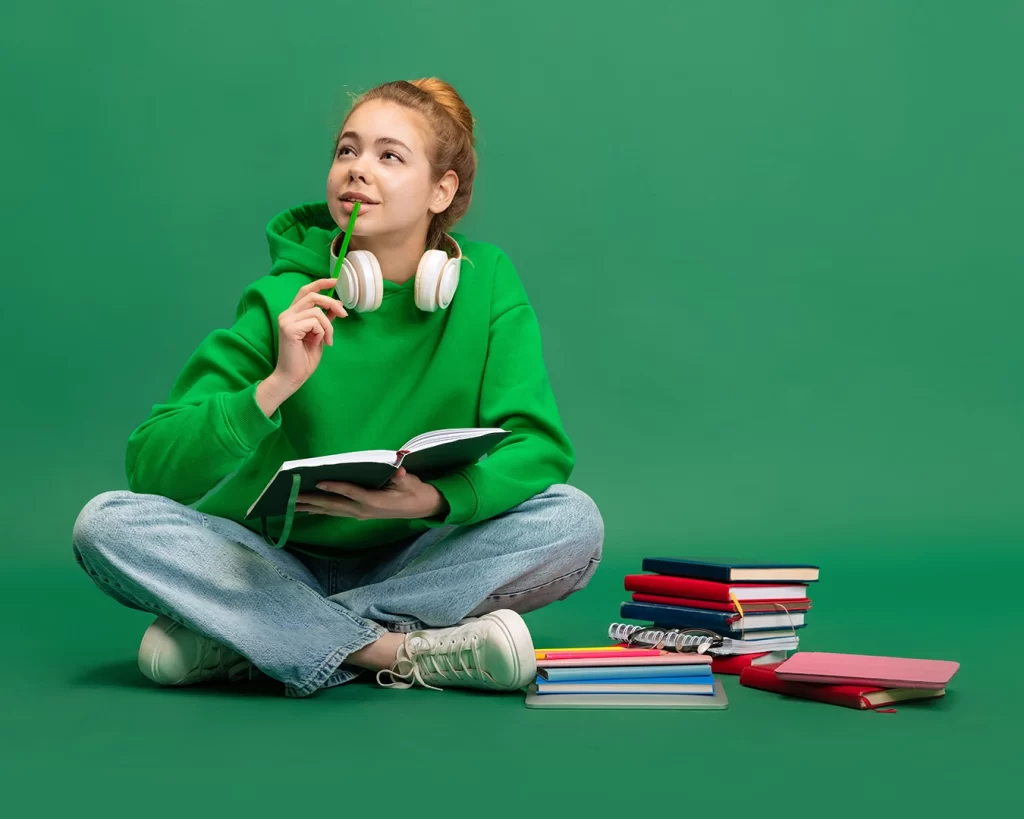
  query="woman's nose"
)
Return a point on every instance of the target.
[{"x": 356, "y": 170}]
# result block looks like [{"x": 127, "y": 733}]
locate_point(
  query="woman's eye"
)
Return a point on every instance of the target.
[{"x": 341, "y": 152}]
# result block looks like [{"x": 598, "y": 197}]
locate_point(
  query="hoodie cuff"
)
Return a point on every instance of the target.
[
  {"x": 245, "y": 422},
  {"x": 461, "y": 498}
]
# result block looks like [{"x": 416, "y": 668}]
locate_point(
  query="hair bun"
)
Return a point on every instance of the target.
[{"x": 448, "y": 98}]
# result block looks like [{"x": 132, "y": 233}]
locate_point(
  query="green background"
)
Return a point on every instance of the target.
[{"x": 776, "y": 253}]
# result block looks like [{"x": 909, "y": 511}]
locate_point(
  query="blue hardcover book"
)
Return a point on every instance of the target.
[
  {"x": 652, "y": 685},
  {"x": 625, "y": 672},
  {"x": 732, "y": 572},
  {"x": 716, "y": 621}
]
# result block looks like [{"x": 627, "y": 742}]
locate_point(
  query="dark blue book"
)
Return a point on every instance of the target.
[
  {"x": 732, "y": 572},
  {"x": 720, "y": 622}
]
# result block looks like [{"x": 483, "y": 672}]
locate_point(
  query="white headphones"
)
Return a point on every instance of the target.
[{"x": 361, "y": 285}]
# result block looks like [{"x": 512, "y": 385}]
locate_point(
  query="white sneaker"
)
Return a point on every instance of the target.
[
  {"x": 494, "y": 651},
  {"x": 171, "y": 654}
]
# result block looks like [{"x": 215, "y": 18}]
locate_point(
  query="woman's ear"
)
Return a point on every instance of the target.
[{"x": 445, "y": 192}]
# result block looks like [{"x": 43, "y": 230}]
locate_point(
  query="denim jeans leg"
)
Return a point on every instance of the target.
[
  {"x": 219, "y": 578},
  {"x": 542, "y": 550}
]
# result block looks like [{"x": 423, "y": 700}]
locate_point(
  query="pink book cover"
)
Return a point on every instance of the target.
[
  {"x": 667, "y": 658},
  {"x": 865, "y": 669}
]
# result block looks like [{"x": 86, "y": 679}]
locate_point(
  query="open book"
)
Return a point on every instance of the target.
[{"x": 429, "y": 455}]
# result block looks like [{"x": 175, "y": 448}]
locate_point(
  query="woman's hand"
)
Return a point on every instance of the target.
[
  {"x": 406, "y": 496},
  {"x": 303, "y": 329}
]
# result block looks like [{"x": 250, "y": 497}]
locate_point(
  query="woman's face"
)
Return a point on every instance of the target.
[{"x": 381, "y": 158}]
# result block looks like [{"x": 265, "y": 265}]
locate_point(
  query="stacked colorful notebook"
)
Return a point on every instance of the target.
[
  {"x": 757, "y": 609},
  {"x": 615, "y": 677},
  {"x": 853, "y": 680}
]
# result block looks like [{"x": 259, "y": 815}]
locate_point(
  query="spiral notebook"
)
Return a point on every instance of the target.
[{"x": 698, "y": 641}]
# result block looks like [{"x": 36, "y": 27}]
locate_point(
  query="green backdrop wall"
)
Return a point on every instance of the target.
[{"x": 775, "y": 252}]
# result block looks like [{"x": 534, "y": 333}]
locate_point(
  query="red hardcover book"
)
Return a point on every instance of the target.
[
  {"x": 759, "y": 606},
  {"x": 711, "y": 590},
  {"x": 735, "y": 663},
  {"x": 859, "y": 697}
]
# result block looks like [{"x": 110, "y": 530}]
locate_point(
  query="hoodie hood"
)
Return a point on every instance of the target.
[{"x": 300, "y": 240}]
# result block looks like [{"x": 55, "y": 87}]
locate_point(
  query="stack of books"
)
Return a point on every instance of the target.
[
  {"x": 859, "y": 681},
  {"x": 617, "y": 677},
  {"x": 756, "y": 609}
]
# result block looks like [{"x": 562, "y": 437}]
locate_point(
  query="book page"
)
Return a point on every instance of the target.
[
  {"x": 383, "y": 456},
  {"x": 444, "y": 436}
]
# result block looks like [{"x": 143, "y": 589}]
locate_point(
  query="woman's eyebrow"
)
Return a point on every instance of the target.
[{"x": 379, "y": 141}]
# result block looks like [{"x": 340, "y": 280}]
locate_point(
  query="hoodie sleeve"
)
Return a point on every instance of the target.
[
  {"x": 515, "y": 394},
  {"x": 210, "y": 423}
]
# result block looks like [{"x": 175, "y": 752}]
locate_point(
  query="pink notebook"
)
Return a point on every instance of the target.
[
  {"x": 864, "y": 669},
  {"x": 665, "y": 658}
]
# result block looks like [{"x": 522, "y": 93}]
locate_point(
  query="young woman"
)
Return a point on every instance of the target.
[{"x": 421, "y": 581}]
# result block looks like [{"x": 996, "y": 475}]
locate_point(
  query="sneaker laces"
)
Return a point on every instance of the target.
[
  {"x": 218, "y": 657},
  {"x": 441, "y": 659}
]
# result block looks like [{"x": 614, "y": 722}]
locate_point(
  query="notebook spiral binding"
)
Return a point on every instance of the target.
[{"x": 691, "y": 640}]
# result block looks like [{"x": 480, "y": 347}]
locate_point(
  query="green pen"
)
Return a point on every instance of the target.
[{"x": 344, "y": 245}]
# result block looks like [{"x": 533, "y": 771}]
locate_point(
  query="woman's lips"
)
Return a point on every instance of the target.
[{"x": 348, "y": 207}]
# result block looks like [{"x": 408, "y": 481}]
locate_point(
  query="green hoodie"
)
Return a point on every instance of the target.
[{"x": 390, "y": 375}]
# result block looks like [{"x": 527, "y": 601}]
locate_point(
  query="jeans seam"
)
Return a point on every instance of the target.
[
  {"x": 330, "y": 665},
  {"x": 576, "y": 572}
]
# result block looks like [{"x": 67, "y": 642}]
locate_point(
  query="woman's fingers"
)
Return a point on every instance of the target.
[
  {"x": 321, "y": 322},
  {"x": 339, "y": 508},
  {"x": 326, "y": 302},
  {"x": 314, "y": 287}
]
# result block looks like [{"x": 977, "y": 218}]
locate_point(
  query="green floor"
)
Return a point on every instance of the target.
[{"x": 83, "y": 727}]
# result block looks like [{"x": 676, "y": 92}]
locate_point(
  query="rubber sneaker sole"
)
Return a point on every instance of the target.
[{"x": 524, "y": 657}]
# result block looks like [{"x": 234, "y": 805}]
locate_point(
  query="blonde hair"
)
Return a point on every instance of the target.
[{"x": 450, "y": 123}]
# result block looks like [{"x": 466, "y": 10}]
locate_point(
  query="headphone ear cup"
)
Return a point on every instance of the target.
[
  {"x": 348, "y": 284},
  {"x": 364, "y": 285},
  {"x": 436, "y": 280},
  {"x": 449, "y": 282}
]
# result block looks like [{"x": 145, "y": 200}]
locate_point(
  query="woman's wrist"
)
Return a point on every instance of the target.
[{"x": 439, "y": 508}]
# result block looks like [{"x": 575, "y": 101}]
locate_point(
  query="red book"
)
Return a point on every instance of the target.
[
  {"x": 860, "y": 697},
  {"x": 735, "y": 663},
  {"x": 711, "y": 590},
  {"x": 713, "y": 605}
]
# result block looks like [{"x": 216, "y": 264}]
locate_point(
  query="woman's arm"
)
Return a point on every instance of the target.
[
  {"x": 516, "y": 395},
  {"x": 214, "y": 417}
]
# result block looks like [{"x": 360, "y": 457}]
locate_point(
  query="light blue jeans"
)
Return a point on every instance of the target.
[{"x": 297, "y": 617}]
